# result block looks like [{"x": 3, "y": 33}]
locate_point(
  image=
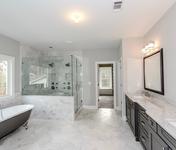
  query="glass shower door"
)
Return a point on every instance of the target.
[
  {"x": 49, "y": 75},
  {"x": 79, "y": 82}
]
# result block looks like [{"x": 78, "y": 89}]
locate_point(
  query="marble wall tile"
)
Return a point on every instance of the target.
[{"x": 51, "y": 107}]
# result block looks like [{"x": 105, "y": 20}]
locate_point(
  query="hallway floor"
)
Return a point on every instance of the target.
[{"x": 100, "y": 129}]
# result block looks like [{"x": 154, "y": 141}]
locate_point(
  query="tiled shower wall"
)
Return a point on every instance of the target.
[{"x": 51, "y": 107}]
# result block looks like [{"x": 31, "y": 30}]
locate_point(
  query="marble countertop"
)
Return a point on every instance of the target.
[{"x": 159, "y": 110}]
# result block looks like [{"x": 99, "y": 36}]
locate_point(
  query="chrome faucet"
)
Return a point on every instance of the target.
[
  {"x": 147, "y": 94},
  {"x": 1, "y": 112}
]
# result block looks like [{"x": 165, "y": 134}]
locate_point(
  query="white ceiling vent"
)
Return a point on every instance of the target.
[{"x": 117, "y": 5}]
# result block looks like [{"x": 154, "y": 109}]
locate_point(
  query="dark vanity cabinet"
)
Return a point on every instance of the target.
[
  {"x": 131, "y": 112},
  {"x": 155, "y": 142},
  {"x": 143, "y": 128},
  {"x": 128, "y": 110},
  {"x": 171, "y": 142},
  {"x": 150, "y": 134}
]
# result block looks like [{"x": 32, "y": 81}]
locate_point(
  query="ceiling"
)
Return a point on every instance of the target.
[{"x": 44, "y": 23}]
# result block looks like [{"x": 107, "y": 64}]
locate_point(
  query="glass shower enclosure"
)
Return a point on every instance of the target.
[{"x": 52, "y": 76}]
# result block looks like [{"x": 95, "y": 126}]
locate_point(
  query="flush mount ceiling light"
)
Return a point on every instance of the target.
[{"x": 77, "y": 17}]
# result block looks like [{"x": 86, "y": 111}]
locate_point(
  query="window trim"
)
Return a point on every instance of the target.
[{"x": 11, "y": 76}]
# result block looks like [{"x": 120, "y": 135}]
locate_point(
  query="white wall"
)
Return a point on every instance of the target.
[
  {"x": 119, "y": 51},
  {"x": 132, "y": 61},
  {"x": 132, "y": 67},
  {"x": 78, "y": 54},
  {"x": 89, "y": 59},
  {"x": 164, "y": 35},
  {"x": 11, "y": 47},
  {"x": 27, "y": 51}
]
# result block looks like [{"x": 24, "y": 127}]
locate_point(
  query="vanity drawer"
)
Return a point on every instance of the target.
[
  {"x": 144, "y": 140},
  {"x": 152, "y": 124},
  {"x": 142, "y": 111},
  {"x": 167, "y": 138},
  {"x": 143, "y": 123}
]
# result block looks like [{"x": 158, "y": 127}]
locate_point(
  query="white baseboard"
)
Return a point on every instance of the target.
[
  {"x": 118, "y": 108},
  {"x": 115, "y": 108},
  {"x": 124, "y": 118},
  {"x": 89, "y": 107}
]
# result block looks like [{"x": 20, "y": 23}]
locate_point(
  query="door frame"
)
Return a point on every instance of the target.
[
  {"x": 119, "y": 84},
  {"x": 114, "y": 81}
]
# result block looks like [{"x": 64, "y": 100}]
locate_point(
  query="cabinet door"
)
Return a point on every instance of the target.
[
  {"x": 167, "y": 138},
  {"x": 155, "y": 142},
  {"x": 132, "y": 113},
  {"x": 128, "y": 115},
  {"x": 144, "y": 140}
]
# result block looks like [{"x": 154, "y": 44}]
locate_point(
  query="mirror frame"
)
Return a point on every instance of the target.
[{"x": 162, "y": 92}]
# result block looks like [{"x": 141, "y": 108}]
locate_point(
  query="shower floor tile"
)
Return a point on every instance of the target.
[{"x": 100, "y": 129}]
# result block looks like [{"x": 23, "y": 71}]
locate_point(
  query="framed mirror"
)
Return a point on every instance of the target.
[{"x": 154, "y": 72}]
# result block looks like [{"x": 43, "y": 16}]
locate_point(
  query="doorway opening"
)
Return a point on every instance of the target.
[{"x": 105, "y": 85}]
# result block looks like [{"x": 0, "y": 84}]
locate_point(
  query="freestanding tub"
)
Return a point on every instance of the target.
[{"x": 13, "y": 117}]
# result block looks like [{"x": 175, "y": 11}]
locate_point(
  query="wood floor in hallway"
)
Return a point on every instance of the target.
[{"x": 106, "y": 102}]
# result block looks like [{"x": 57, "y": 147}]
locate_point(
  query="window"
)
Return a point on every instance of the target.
[
  {"x": 6, "y": 75},
  {"x": 105, "y": 74}
]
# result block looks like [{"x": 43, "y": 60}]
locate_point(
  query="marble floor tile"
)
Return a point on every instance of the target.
[{"x": 101, "y": 129}]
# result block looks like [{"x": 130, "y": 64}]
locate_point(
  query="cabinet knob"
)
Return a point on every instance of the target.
[
  {"x": 143, "y": 140},
  {"x": 143, "y": 123}
]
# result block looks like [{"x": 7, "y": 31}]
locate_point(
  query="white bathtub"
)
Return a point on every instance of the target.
[
  {"x": 14, "y": 111},
  {"x": 13, "y": 117}
]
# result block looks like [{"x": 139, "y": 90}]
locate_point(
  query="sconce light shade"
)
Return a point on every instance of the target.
[{"x": 150, "y": 46}]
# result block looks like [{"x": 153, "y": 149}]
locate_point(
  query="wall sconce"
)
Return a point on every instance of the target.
[{"x": 149, "y": 47}]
